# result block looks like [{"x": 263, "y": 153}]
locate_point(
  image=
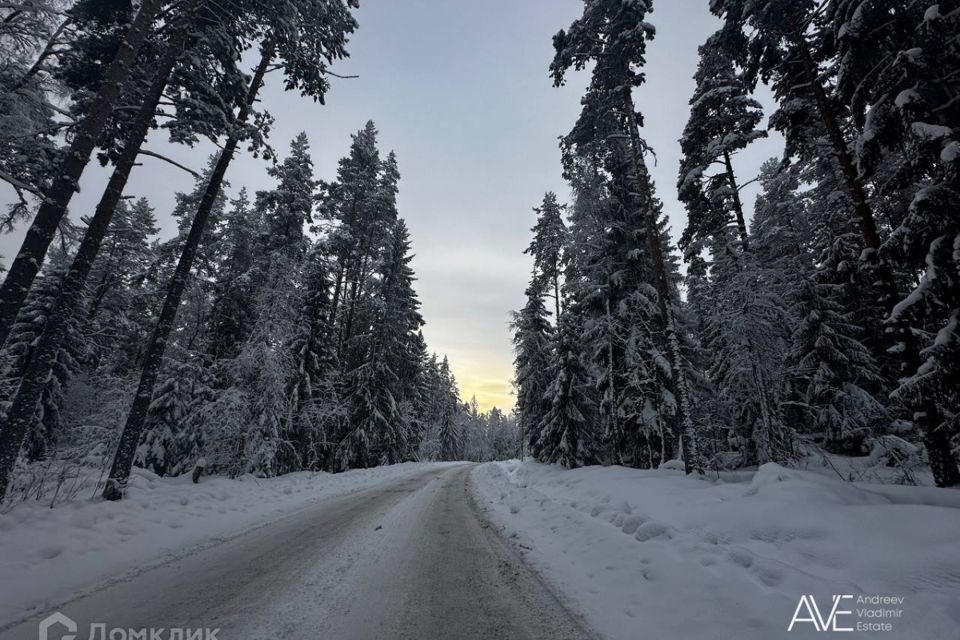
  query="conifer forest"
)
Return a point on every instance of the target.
[
  {"x": 717, "y": 347},
  {"x": 828, "y": 321}
]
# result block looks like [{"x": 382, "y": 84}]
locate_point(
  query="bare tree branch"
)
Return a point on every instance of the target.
[{"x": 146, "y": 152}]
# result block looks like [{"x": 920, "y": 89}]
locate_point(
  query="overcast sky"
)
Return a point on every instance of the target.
[{"x": 460, "y": 90}]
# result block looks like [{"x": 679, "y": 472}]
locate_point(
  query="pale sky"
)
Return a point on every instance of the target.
[{"x": 460, "y": 90}]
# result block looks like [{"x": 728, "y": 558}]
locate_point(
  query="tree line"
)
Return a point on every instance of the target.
[
  {"x": 828, "y": 321},
  {"x": 276, "y": 331}
]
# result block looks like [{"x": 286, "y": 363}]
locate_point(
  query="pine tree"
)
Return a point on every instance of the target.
[
  {"x": 126, "y": 256},
  {"x": 782, "y": 229},
  {"x": 23, "y": 270},
  {"x": 370, "y": 232},
  {"x": 401, "y": 317},
  {"x": 604, "y": 265},
  {"x": 723, "y": 121},
  {"x": 29, "y": 152}
]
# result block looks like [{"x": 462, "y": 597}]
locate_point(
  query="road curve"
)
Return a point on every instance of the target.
[{"x": 408, "y": 560}]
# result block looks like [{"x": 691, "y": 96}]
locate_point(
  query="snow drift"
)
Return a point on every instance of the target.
[{"x": 661, "y": 555}]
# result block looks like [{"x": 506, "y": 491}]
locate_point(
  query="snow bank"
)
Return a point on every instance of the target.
[
  {"x": 656, "y": 554},
  {"x": 47, "y": 554}
]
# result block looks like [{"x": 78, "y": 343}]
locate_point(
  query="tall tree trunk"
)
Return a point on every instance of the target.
[
  {"x": 335, "y": 302},
  {"x": 662, "y": 286},
  {"x": 927, "y": 415},
  {"x": 737, "y": 204},
  {"x": 864, "y": 213},
  {"x": 556, "y": 296},
  {"x": 614, "y": 432},
  {"x": 130, "y": 438},
  {"x": 357, "y": 287},
  {"x": 33, "y": 250},
  {"x": 67, "y": 303}
]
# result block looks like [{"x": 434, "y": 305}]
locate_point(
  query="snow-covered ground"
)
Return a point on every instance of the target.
[
  {"x": 48, "y": 554},
  {"x": 654, "y": 554}
]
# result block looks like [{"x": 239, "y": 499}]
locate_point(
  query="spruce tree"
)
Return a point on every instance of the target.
[
  {"x": 549, "y": 238},
  {"x": 532, "y": 344},
  {"x": 313, "y": 387},
  {"x": 45, "y": 428},
  {"x": 288, "y": 209},
  {"x": 233, "y": 314},
  {"x": 909, "y": 136},
  {"x": 173, "y": 439},
  {"x": 449, "y": 414},
  {"x": 613, "y": 37},
  {"x": 378, "y": 430},
  {"x": 565, "y": 430},
  {"x": 834, "y": 373}
]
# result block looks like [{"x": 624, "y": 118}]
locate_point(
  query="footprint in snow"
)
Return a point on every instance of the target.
[
  {"x": 631, "y": 524},
  {"x": 741, "y": 558},
  {"x": 49, "y": 552},
  {"x": 651, "y": 530}
]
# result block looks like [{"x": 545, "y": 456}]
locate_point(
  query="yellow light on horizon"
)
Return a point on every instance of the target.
[{"x": 492, "y": 389}]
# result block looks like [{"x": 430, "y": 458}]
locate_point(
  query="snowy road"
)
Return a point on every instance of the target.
[{"x": 408, "y": 559}]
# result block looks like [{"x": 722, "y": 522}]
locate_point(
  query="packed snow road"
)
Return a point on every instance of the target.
[{"x": 409, "y": 559}]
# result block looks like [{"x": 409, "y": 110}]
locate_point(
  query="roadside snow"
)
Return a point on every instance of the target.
[
  {"x": 48, "y": 554},
  {"x": 654, "y": 554}
]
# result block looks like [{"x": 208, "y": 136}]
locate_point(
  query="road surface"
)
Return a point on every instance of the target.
[{"x": 408, "y": 560}]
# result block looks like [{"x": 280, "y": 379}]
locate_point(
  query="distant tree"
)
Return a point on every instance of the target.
[
  {"x": 449, "y": 415},
  {"x": 549, "y": 239}
]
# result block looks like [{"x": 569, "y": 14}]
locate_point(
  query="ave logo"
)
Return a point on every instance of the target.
[{"x": 807, "y": 611}]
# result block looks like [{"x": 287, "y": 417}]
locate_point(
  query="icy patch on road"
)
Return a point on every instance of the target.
[
  {"x": 47, "y": 554},
  {"x": 660, "y": 555}
]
